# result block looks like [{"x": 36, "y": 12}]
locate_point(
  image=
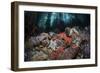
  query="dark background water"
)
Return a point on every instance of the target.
[{"x": 37, "y": 22}]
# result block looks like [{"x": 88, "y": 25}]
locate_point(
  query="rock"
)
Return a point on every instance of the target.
[
  {"x": 71, "y": 53},
  {"x": 40, "y": 56}
]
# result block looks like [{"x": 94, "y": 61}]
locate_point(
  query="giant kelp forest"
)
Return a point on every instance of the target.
[{"x": 56, "y": 36}]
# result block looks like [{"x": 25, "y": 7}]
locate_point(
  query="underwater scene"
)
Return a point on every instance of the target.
[{"x": 56, "y": 36}]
